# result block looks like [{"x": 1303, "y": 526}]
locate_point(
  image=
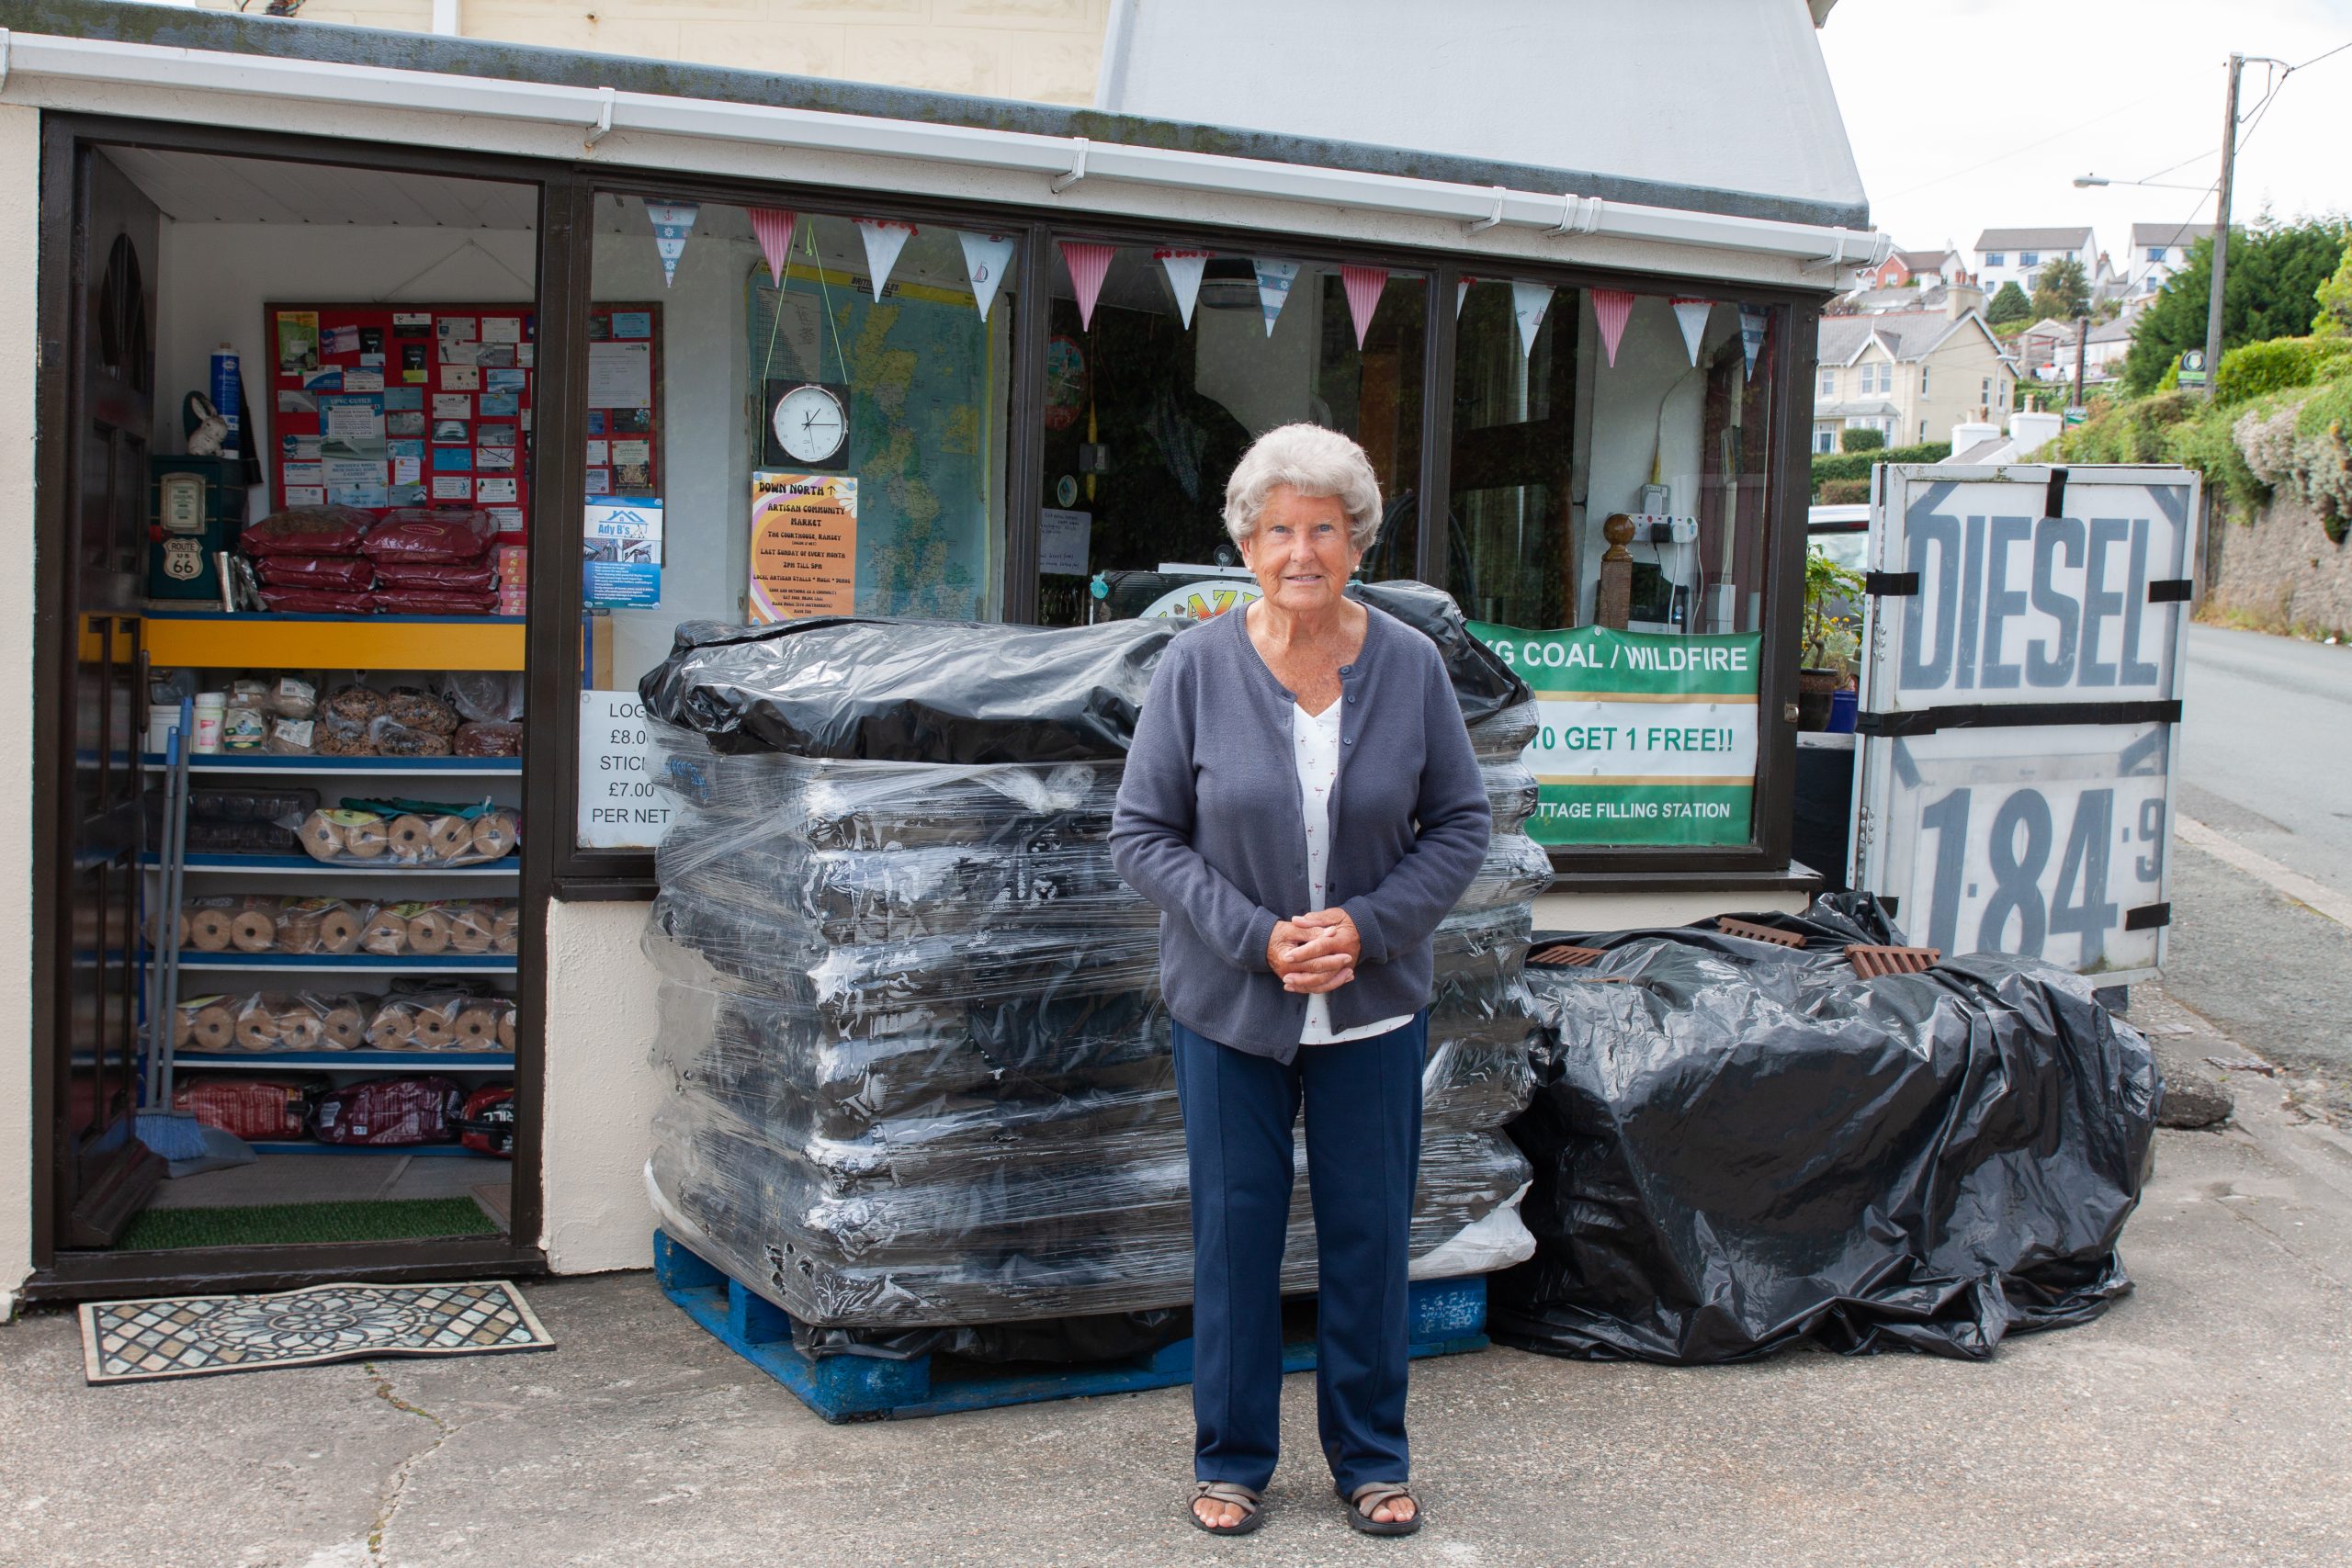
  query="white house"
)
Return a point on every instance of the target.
[
  {"x": 2159, "y": 250},
  {"x": 1906, "y": 374},
  {"x": 2017, "y": 255}
]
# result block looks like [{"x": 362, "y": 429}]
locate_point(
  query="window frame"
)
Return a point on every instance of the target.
[{"x": 554, "y": 659}]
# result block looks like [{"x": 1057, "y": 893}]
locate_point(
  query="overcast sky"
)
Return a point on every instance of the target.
[{"x": 1969, "y": 114}]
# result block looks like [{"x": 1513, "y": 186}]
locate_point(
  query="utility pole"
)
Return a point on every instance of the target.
[
  {"x": 2221, "y": 231},
  {"x": 2082, "y": 354}
]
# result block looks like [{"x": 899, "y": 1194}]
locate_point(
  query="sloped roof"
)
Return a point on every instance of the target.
[
  {"x": 2145, "y": 234},
  {"x": 1905, "y": 335},
  {"x": 1755, "y": 118},
  {"x": 1922, "y": 260},
  {"x": 2033, "y": 239}
]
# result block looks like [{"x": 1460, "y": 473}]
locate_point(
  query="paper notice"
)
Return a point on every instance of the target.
[
  {"x": 804, "y": 545},
  {"x": 620, "y": 375},
  {"x": 1063, "y": 539}
]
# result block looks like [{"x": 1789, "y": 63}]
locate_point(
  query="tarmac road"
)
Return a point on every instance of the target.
[{"x": 2266, "y": 764}]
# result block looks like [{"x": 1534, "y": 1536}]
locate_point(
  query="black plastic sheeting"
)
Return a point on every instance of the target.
[
  {"x": 1740, "y": 1147},
  {"x": 882, "y": 688}
]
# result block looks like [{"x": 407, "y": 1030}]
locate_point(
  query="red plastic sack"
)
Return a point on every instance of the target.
[
  {"x": 317, "y": 601},
  {"x": 389, "y": 1113},
  {"x": 486, "y": 1124},
  {"x": 307, "y": 531},
  {"x": 423, "y": 534},
  {"x": 446, "y": 577},
  {"x": 253, "y": 1108},
  {"x": 344, "y": 573},
  {"x": 431, "y": 601}
]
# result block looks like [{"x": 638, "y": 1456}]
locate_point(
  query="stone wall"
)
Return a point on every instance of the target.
[{"x": 2278, "y": 571}]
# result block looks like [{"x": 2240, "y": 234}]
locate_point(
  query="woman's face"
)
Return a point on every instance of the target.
[{"x": 1299, "y": 552}]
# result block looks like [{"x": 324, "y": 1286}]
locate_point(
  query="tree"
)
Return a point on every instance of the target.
[
  {"x": 2061, "y": 292},
  {"x": 2335, "y": 318},
  {"x": 2009, "y": 304},
  {"x": 1860, "y": 438},
  {"x": 2273, "y": 288}
]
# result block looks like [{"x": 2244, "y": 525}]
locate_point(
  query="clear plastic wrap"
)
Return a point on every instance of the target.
[
  {"x": 918, "y": 1066},
  {"x": 917, "y": 1063},
  {"x": 411, "y": 833},
  {"x": 270, "y": 1021}
]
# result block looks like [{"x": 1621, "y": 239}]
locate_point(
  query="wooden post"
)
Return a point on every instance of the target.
[{"x": 1613, "y": 607}]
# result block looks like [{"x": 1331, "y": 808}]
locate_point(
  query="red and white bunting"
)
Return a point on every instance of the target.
[
  {"x": 1692, "y": 315},
  {"x": 1183, "y": 269},
  {"x": 885, "y": 238},
  {"x": 1090, "y": 263},
  {"x": 1364, "y": 285},
  {"x": 1528, "y": 303},
  {"x": 774, "y": 226},
  {"x": 1461, "y": 292},
  {"x": 1613, "y": 307},
  {"x": 985, "y": 258}
]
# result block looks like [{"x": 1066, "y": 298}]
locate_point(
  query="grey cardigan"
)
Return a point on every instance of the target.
[{"x": 1209, "y": 827}]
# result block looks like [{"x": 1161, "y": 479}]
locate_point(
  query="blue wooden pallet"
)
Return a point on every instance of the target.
[{"x": 1444, "y": 1317}]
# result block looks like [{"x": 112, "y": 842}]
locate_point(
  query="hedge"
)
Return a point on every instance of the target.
[
  {"x": 2252, "y": 369},
  {"x": 1858, "y": 465}
]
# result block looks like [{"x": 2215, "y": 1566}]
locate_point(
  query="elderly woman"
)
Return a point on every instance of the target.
[{"x": 1302, "y": 806}]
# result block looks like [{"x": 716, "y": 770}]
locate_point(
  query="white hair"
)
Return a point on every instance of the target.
[{"x": 1312, "y": 461}]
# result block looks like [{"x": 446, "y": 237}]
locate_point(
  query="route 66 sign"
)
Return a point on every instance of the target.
[{"x": 2021, "y": 695}]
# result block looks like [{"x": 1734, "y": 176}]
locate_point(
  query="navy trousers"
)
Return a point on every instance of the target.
[{"x": 1363, "y": 1145}]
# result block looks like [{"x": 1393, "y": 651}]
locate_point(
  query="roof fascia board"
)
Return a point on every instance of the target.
[
  {"x": 597, "y": 112},
  {"x": 528, "y": 64}
]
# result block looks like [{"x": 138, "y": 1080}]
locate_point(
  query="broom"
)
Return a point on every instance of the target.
[{"x": 174, "y": 1135}]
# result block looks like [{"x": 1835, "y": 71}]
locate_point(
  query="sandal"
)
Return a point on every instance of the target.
[
  {"x": 1370, "y": 1496},
  {"x": 1240, "y": 1496}
]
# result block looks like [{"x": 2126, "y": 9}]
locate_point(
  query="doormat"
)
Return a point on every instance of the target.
[
  {"x": 278, "y": 1224},
  {"x": 185, "y": 1336}
]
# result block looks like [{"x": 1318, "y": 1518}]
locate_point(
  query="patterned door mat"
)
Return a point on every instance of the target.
[{"x": 185, "y": 1336}]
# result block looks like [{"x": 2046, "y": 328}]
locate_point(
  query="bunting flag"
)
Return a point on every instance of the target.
[
  {"x": 1528, "y": 303},
  {"x": 672, "y": 221},
  {"x": 1364, "y": 285},
  {"x": 1753, "y": 319},
  {"x": 774, "y": 226},
  {"x": 1693, "y": 315},
  {"x": 1461, "y": 292},
  {"x": 1613, "y": 307},
  {"x": 1183, "y": 269},
  {"x": 885, "y": 238},
  {"x": 985, "y": 258},
  {"x": 1089, "y": 263},
  {"x": 1274, "y": 278}
]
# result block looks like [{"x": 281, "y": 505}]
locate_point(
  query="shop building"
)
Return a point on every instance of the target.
[{"x": 554, "y": 287}]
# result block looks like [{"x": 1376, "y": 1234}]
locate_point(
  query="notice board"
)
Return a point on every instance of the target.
[
  {"x": 378, "y": 406},
  {"x": 2020, "y": 703}
]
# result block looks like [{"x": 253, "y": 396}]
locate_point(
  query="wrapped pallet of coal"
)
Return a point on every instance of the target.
[{"x": 918, "y": 1065}]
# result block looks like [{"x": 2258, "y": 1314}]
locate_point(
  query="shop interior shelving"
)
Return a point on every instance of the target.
[{"x": 403, "y": 649}]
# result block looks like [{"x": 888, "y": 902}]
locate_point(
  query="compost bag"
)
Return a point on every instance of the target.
[{"x": 1738, "y": 1147}]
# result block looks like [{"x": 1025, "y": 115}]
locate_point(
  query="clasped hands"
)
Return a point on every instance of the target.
[{"x": 1315, "y": 953}]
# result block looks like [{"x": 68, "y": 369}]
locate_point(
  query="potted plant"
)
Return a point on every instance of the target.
[{"x": 1832, "y": 628}]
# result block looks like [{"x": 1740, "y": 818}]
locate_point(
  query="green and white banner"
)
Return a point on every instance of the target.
[{"x": 1643, "y": 739}]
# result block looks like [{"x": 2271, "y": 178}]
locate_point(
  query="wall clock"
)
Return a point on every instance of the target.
[{"x": 807, "y": 424}]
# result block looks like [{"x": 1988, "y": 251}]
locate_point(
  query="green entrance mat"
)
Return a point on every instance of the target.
[{"x": 393, "y": 1219}]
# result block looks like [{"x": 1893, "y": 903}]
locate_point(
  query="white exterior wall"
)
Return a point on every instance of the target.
[{"x": 19, "y": 353}]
